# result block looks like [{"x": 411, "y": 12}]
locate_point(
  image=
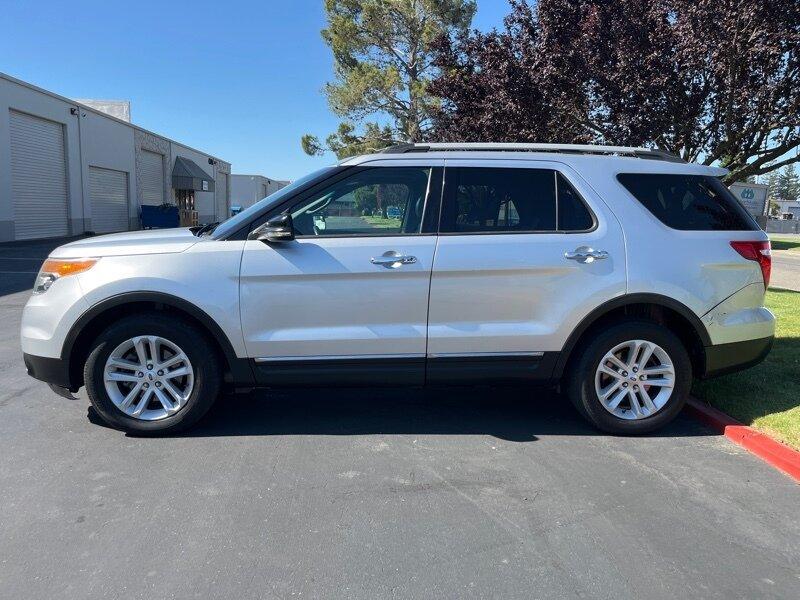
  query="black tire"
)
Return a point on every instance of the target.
[
  {"x": 194, "y": 343},
  {"x": 580, "y": 384}
]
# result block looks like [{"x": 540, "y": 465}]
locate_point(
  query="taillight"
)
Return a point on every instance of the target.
[{"x": 758, "y": 251}]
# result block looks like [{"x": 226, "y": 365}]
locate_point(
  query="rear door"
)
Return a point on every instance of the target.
[
  {"x": 526, "y": 250},
  {"x": 347, "y": 300}
]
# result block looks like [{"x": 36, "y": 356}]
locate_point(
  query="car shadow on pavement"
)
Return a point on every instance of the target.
[{"x": 510, "y": 414}]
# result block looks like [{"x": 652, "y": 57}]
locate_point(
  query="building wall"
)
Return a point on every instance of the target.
[
  {"x": 109, "y": 144},
  {"x": 121, "y": 109},
  {"x": 783, "y": 226},
  {"x": 92, "y": 139},
  {"x": 16, "y": 97},
  {"x": 246, "y": 190},
  {"x": 275, "y": 185}
]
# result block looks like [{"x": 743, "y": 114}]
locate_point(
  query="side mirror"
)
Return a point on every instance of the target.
[{"x": 278, "y": 229}]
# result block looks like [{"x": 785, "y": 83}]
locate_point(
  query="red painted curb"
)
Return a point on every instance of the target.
[{"x": 776, "y": 454}]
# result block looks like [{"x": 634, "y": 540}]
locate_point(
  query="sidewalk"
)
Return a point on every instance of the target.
[{"x": 785, "y": 270}]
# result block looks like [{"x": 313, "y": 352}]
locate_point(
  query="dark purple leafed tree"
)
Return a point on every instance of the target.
[{"x": 710, "y": 80}]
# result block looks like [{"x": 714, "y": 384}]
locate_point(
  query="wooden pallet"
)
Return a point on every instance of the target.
[{"x": 189, "y": 218}]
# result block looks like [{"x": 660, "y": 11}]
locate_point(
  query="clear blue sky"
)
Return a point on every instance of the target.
[{"x": 240, "y": 80}]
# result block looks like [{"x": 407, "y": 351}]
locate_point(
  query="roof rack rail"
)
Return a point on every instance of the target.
[{"x": 638, "y": 152}]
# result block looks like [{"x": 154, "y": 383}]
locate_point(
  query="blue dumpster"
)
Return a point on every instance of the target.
[{"x": 159, "y": 217}]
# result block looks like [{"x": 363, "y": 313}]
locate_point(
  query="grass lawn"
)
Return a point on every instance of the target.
[
  {"x": 767, "y": 396},
  {"x": 385, "y": 223},
  {"x": 779, "y": 243}
]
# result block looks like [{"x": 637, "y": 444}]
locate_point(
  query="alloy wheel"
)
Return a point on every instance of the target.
[
  {"x": 635, "y": 379},
  {"x": 148, "y": 377}
]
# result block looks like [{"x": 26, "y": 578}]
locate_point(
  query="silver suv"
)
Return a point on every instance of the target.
[{"x": 617, "y": 273}]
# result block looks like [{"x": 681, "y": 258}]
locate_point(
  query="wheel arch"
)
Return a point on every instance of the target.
[
  {"x": 678, "y": 317},
  {"x": 101, "y": 315}
]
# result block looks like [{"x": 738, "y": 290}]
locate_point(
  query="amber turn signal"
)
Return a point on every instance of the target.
[{"x": 64, "y": 267}]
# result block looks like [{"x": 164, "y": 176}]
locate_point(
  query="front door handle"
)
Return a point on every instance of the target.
[
  {"x": 393, "y": 259},
  {"x": 586, "y": 254}
]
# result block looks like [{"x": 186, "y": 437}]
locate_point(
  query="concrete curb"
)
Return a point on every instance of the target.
[{"x": 776, "y": 454}]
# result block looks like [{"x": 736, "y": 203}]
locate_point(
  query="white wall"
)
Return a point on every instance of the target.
[
  {"x": 108, "y": 144},
  {"x": 275, "y": 185},
  {"x": 246, "y": 190},
  {"x": 17, "y": 97},
  {"x": 92, "y": 140}
]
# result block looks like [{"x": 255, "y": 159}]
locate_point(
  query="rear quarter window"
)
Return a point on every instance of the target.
[{"x": 688, "y": 202}]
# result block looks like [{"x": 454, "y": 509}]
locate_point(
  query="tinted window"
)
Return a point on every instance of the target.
[
  {"x": 494, "y": 200},
  {"x": 378, "y": 201},
  {"x": 689, "y": 202},
  {"x": 488, "y": 199},
  {"x": 572, "y": 212}
]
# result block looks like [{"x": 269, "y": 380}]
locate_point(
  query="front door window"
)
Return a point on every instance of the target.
[{"x": 383, "y": 201}]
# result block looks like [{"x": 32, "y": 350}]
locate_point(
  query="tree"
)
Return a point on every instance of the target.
[
  {"x": 713, "y": 81},
  {"x": 785, "y": 186},
  {"x": 383, "y": 64},
  {"x": 498, "y": 87}
]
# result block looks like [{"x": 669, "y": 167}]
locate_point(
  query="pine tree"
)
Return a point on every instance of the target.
[
  {"x": 785, "y": 186},
  {"x": 382, "y": 51}
]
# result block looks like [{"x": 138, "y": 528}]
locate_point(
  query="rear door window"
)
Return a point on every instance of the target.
[
  {"x": 572, "y": 212},
  {"x": 511, "y": 200},
  {"x": 689, "y": 202}
]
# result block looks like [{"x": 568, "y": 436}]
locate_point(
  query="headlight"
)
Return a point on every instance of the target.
[{"x": 54, "y": 268}]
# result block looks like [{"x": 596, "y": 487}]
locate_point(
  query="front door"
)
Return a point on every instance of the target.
[
  {"x": 346, "y": 301},
  {"x": 526, "y": 250}
]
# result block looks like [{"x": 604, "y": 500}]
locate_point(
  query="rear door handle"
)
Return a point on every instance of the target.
[
  {"x": 393, "y": 259},
  {"x": 586, "y": 254}
]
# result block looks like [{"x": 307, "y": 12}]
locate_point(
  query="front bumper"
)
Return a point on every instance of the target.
[
  {"x": 722, "y": 359},
  {"x": 54, "y": 371}
]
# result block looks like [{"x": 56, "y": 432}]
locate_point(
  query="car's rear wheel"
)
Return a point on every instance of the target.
[
  {"x": 632, "y": 377},
  {"x": 152, "y": 374}
]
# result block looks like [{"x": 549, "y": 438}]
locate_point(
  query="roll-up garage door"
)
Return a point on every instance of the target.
[
  {"x": 38, "y": 177},
  {"x": 151, "y": 178},
  {"x": 221, "y": 191},
  {"x": 109, "y": 192}
]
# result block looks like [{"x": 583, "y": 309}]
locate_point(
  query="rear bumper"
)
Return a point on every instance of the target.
[
  {"x": 54, "y": 371},
  {"x": 722, "y": 359}
]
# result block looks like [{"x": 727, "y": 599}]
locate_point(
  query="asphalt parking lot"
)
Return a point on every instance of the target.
[{"x": 460, "y": 493}]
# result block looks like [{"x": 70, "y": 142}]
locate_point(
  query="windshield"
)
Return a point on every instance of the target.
[{"x": 235, "y": 222}]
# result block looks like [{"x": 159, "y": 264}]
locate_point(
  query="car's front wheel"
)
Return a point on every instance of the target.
[
  {"x": 632, "y": 377},
  {"x": 152, "y": 374}
]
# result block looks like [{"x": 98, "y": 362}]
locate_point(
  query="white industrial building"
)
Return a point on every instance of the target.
[
  {"x": 788, "y": 209},
  {"x": 246, "y": 190},
  {"x": 68, "y": 169}
]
